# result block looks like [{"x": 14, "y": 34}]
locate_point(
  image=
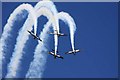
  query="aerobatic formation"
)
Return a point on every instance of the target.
[{"x": 42, "y": 8}]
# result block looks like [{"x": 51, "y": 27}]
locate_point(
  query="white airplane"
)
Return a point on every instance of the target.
[
  {"x": 35, "y": 37},
  {"x": 73, "y": 52},
  {"x": 58, "y": 34},
  {"x": 55, "y": 55}
]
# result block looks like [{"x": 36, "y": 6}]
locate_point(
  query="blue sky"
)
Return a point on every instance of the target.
[{"x": 96, "y": 36}]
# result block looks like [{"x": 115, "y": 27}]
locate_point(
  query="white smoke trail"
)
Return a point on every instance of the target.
[
  {"x": 21, "y": 39},
  {"x": 50, "y": 5},
  {"x": 37, "y": 65},
  {"x": 5, "y": 34},
  {"x": 71, "y": 23}
]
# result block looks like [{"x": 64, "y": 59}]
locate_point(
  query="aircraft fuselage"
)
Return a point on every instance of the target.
[{"x": 35, "y": 37}]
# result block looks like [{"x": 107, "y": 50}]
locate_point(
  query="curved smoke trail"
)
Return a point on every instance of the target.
[
  {"x": 36, "y": 68},
  {"x": 71, "y": 23},
  {"x": 37, "y": 65},
  {"x": 50, "y": 5},
  {"x": 21, "y": 39},
  {"x": 24, "y": 38}
]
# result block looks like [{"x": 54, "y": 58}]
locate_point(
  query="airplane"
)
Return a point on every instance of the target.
[
  {"x": 58, "y": 34},
  {"x": 73, "y": 52},
  {"x": 35, "y": 37},
  {"x": 55, "y": 55}
]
